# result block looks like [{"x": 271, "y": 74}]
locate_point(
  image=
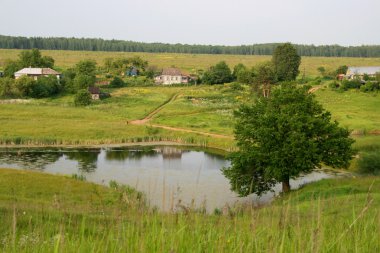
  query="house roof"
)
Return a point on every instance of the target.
[
  {"x": 171, "y": 72},
  {"x": 94, "y": 90},
  {"x": 363, "y": 70},
  {"x": 37, "y": 71}
]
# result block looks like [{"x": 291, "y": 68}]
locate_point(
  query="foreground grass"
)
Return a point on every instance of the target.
[
  {"x": 191, "y": 62},
  {"x": 45, "y": 213}
]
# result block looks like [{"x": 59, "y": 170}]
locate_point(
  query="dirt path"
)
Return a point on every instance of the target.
[
  {"x": 154, "y": 112},
  {"x": 193, "y": 131},
  {"x": 314, "y": 89}
]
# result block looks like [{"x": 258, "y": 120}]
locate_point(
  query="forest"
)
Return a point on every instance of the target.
[{"x": 92, "y": 44}]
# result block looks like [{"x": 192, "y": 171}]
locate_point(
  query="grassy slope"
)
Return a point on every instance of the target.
[
  {"x": 42, "y": 212},
  {"x": 199, "y": 108},
  {"x": 190, "y": 62}
]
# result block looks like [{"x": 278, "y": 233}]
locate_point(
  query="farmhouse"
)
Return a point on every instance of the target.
[
  {"x": 36, "y": 72},
  {"x": 95, "y": 92},
  {"x": 359, "y": 72},
  {"x": 172, "y": 76}
]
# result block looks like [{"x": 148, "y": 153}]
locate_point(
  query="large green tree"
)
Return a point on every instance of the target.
[
  {"x": 286, "y": 62},
  {"x": 264, "y": 77},
  {"x": 218, "y": 74},
  {"x": 281, "y": 137}
]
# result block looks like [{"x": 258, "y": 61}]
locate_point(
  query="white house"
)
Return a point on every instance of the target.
[
  {"x": 36, "y": 72},
  {"x": 171, "y": 76},
  {"x": 359, "y": 72}
]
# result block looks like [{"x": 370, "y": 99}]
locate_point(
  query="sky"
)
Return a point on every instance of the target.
[{"x": 215, "y": 22}]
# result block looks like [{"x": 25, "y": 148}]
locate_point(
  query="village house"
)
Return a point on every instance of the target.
[
  {"x": 36, "y": 72},
  {"x": 172, "y": 76},
  {"x": 95, "y": 92},
  {"x": 359, "y": 72}
]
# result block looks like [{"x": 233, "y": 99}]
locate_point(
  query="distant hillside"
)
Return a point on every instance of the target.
[{"x": 84, "y": 44}]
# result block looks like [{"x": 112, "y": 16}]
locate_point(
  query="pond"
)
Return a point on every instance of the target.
[{"x": 167, "y": 175}]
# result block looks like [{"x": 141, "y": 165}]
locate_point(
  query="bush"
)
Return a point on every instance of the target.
[
  {"x": 351, "y": 84},
  {"x": 369, "y": 163},
  {"x": 45, "y": 87},
  {"x": 82, "y": 98},
  {"x": 7, "y": 89},
  {"x": 369, "y": 86},
  {"x": 139, "y": 81},
  {"x": 333, "y": 85},
  {"x": 117, "y": 82},
  {"x": 236, "y": 86},
  {"x": 82, "y": 81}
]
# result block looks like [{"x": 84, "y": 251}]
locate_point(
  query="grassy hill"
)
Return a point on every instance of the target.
[
  {"x": 191, "y": 62},
  {"x": 197, "y": 113},
  {"x": 46, "y": 213}
]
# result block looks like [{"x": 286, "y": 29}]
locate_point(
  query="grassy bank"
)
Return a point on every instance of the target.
[
  {"x": 45, "y": 213},
  {"x": 191, "y": 62}
]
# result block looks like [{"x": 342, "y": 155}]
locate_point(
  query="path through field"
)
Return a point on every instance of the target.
[{"x": 145, "y": 120}]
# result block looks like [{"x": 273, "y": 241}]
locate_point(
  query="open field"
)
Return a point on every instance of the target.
[
  {"x": 45, "y": 213},
  {"x": 191, "y": 62}
]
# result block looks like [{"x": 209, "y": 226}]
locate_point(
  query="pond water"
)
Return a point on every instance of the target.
[{"x": 167, "y": 175}]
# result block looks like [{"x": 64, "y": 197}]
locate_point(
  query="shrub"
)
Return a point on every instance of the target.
[
  {"x": 236, "y": 86},
  {"x": 82, "y": 98},
  {"x": 333, "y": 85},
  {"x": 117, "y": 82},
  {"x": 351, "y": 84},
  {"x": 369, "y": 86},
  {"x": 370, "y": 162}
]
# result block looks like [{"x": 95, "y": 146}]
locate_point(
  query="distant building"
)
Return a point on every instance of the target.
[
  {"x": 37, "y": 72},
  {"x": 359, "y": 72},
  {"x": 95, "y": 92},
  {"x": 172, "y": 76},
  {"x": 133, "y": 71}
]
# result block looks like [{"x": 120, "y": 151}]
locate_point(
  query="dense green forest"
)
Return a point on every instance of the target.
[{"x": 10, "y": 42}]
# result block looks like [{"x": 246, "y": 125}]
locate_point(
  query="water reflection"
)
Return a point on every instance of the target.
[
  {"x": 87, "y": 159},
  {"x": 167, "y": 175}
]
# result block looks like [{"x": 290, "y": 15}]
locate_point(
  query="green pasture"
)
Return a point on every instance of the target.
[{"x": 46, "y": 213}]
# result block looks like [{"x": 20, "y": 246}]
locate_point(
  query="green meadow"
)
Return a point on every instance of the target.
[{"x": 47, "y": 213}]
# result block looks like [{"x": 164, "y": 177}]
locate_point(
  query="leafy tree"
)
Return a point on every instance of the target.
[
  {"x": 11, "y": 67},
  {"x": 7, "y": 87},
  {"x": 218, "y": 74},
  {"x": 45, "y": 87},
  {"x": 82, "y": 98},
  {"x": 246, "y": 76},
  {"x": 341, "y": 70},
  {"x": 239, "y": 67},
  {"x": 286, "y": 62},
  {"x": 83, "y": 81},
  {"x": 33, "y": 58},
  {"x": 24, "y": 86},
  {"x": 86, "y": 67},
  {"x": 265, "y": 77},
  {"x": 281, "y": 137},
  {"x": 67, "y": 80},
  {"x": 117, "y": 82}
]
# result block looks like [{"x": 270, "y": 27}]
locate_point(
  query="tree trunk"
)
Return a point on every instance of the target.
[{"x": 285, "y": 185}]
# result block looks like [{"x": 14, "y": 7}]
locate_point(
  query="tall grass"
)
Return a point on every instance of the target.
[{"x": 73, "y": 216}]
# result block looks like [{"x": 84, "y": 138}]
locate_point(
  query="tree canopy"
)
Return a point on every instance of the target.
[
  {"x": 286, "y": 62},
  {"x": 218, "y": 74},
  {"x": 281, "y": 137}
]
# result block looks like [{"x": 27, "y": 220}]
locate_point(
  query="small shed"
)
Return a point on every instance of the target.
[{"x": 95, "y": 92}]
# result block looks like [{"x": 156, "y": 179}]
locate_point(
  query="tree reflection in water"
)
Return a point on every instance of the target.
[
  {"x": 30, "y": 159},
  {"x": 122, "y": 154},
  {"x": 87, "y": 159}
]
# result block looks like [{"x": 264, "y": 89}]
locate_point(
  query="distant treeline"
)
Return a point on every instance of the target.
[{"x": 83, "y": 44}]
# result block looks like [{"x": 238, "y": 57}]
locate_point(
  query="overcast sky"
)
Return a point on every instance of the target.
[{"x": 222, "y": 22}]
